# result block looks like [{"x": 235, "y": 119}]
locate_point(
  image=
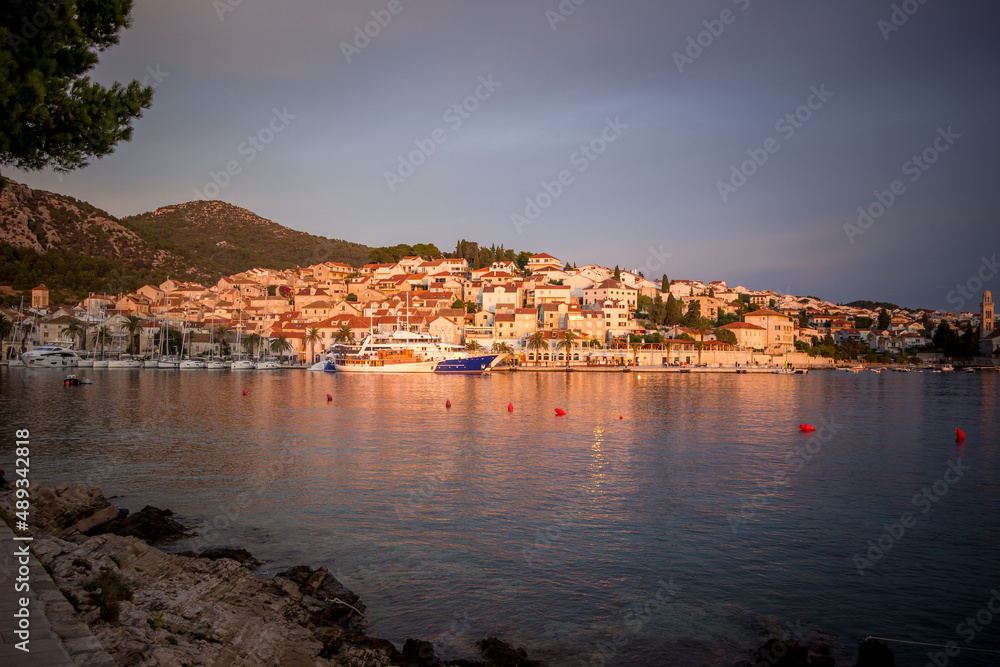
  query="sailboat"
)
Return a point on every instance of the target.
[
  {"x": 188, "y": 364},
  {"x": 240, "y": 364}
]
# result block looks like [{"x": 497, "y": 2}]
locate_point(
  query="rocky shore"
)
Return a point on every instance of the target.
[{"x": 148, "y": 607}]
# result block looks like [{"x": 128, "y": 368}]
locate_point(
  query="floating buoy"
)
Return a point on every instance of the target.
[
  {"x": 510, "y": 407},
  {"x": 959, "y": 435},
  {"x": 329, "y": 398},
  {"x": 560, "y": 413},
  {"x": 620, "y": 417},
  {"x": 244, "y": 392},
  {"x": 447, "y": 403},
  {"x": 806, "y": 428}
]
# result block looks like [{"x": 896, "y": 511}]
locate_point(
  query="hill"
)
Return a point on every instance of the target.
[
  {"x": 76, "y": 248},
  {"x": 235, "y": 239}
]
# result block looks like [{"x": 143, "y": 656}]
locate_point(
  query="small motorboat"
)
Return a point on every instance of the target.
[{"x": 75, "y": 381}]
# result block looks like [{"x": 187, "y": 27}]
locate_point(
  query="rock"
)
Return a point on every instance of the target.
[
  {"x": 500, "y": 654},
  {"x": 778, "y": 653},
  {"x": 241, "y": 556},
  {"x": 93, "y": 523},
  {"x": 873, "y": 653},
  {"x": 420, "y": 654},
  {"x": 150, "y": 524}
]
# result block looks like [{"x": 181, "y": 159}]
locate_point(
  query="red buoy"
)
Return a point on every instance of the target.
[
  {"x": 620, "y": 417},
  {"x": 329, "y": 398},
  {"x": 447, "y": 403},
  {"x": 510, "y": 407},
  {"x": 560, "y": 413},
  {"x": 806, "y": 428},
  {"x": 959, "y": 435},
  {"x": 244, "y": 392}
]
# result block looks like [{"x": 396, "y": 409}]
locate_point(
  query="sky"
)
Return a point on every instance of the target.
[{"x": 721, "y": 140}]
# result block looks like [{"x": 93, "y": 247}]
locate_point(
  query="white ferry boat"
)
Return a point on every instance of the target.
[{"x": 412, "y": 352}]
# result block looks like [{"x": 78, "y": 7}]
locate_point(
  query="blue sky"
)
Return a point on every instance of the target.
[{"x": 643, "y": 108}]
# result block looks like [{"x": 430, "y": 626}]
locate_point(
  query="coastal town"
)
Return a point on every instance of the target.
[{"x": 536, "y": 309}]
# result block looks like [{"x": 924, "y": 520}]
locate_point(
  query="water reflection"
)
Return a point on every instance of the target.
[{"x": 427, "y": 512}]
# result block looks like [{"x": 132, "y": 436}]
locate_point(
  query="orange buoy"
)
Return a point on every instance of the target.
[
  {"x": 244, "y": 392},
  {"x": 447, "y": 403},
  {"x": 329, "y": 398},
  {"x": 959, "y": 435},
  {"x": 510, "y": 407},
  {"x": 560, "y": 413},
  {"x": 806, "y": 428}
]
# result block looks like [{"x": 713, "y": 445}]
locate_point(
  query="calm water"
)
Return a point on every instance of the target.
[{"x": 561, "y": 533}]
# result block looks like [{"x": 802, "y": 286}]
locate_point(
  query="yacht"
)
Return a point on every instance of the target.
[
  {"x": 215, "y": 365},
  {"x": 191, "y": 364},
  {"x": 413, "y": 352},
  {"x": 267, "y": 365},
  {"x": 242, "y": 365},
  {"x": 53, "y": 354},
  {"x": 125, "y": 361}
]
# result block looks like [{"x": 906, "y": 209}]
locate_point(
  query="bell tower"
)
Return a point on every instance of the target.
[{"x": 986, "y": 321}]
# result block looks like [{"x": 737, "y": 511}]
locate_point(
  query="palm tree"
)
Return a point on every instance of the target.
[
  {"x": 103, "y": 333},
  {"x": 222, "y": 333},
  {"x": 567, "y": 344},
  {"x": 280, "y": 345},
  {"x": 74, "y": 329},
  {"x": 6, "y": 327},
  {"x": 343, "y": 334},
  {"x": 252, "y": 342},
  {"x": 698, "y": 346},
  {"x": 311, "y": 338},
  {"x": 636, "y": 346},
  {"x": 132, "y": 326},
  {"x": 473, "y": 346},
  {"x": 537, "y": 343},
  {"x": 504, "y": 349},
  {"x": 27, "y": 328},
  {"x": 668, "y": 346}
]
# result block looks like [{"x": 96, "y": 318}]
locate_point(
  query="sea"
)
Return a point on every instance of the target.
[{"x": 665, "y": 519}]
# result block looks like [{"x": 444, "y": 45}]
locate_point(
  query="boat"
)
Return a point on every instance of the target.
[
  {"x": 413, "y": 352},
  {"x": 53, "y": 354},
  {"x": 87, "y": 362},
  {"x": 215, "y": 365},
  {"x": 125, "y": 361},
  {"x": 267, "y": 365},
  {"x": 74, "y": 381},
  {"x": 191, "y": 364},
  {"x": 970, "y": 370},
  {"x": 854, "y": 369},
  {"x": 242, "y": 365},
  {"x": 947, "y": 368}
]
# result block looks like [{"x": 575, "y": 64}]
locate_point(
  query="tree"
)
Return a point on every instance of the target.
[
  {"x": 568, "y": 267},
  {"x": 664, "y": 284},
  {"x": 657, "y": 311},
  {"x": 635, "y": 346},
  {"x": 537, "y": 343},
  {"x": 252, "y": 342},
  {"x": 458, "y": 303},
  {"x": 51, "y": 113},
  {"x": 73, "y": 329},
  {"x": 311, "y": 338},
  {"x": 725, "y": 336},
  {"x": 863, "y": 322},
  {"x": 699, "y": 346},
  {"x": 567, "y": 344},
  {"x": 674, "y": 311},
  {"x": 222, "y": 333},
  {"x": 352, "y": 297},
  {"x": 343, "y": 334},
  {"x": 693, "y": 313},
  {"x": 618, "y": 273},
  {"x": 711, "y": 292},
  {"x": 280, "y": 345},
  {"x": 103, "y": 333},
  {"x": 884, "y": 319},
  {"x": 132, "y": 326},
  {"x": 6, "y": 327},
  {"x": 473, "y": 346}
]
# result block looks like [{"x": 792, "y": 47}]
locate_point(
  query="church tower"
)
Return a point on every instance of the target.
[{"x": 986, "y": 321}]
